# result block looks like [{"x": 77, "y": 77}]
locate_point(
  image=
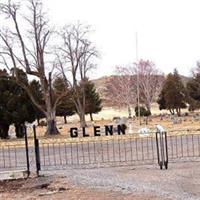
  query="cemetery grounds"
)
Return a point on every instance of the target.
[{"x": 180, "y": 181}]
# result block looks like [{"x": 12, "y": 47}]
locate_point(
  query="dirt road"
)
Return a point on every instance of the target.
[
  {"x": 180, "y": 182},
  {"x": 55, "y": 188}
]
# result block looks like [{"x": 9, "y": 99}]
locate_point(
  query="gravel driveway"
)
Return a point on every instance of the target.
[{"x": 181, "y": 181}]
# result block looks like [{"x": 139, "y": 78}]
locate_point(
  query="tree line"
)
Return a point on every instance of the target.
[
  {"x": 169, "y": 92},
  {"x": 17, "y": 108},
  {"x": 142, "y": 79},
  {"x": 28, "y": 41},
  {"x": 175, "y": 96}
]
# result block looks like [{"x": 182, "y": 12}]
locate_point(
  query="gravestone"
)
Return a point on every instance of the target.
[
  {"x": 143, "y": 132},
  {"x": 130, "y": 127},
  {"x": 196, "y": 117},
  {"x": 120, "y": 121},
  {"x": 177, "y": 120}
]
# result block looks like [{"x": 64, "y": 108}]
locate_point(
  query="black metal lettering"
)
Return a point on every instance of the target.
[
  {"x": 73, "y": 132},
  {"x": 97, "y": 131},
  {"x": 109, "y": 130},
  {"x": 121, "y": 129},
  {"x": 84, "y": 132}
]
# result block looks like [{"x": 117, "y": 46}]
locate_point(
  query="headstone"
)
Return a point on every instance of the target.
[
  {"x": 143, "y": 132},
  {"x": 116, "y": 120},
  {"x": 196, "y": 117},
  {"x": 130, "y": 128},
  {"x": 11, "y": 132},
  {"x": 123, "y": 120},
  {"x": 177, "y": 121}
]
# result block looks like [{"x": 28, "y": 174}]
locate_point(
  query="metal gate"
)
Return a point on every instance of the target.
[
  {"x": 100, "y": 152},
  {"x": 108, "y": 151}
]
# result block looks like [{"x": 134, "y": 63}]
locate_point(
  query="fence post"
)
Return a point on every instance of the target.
[
  {"x": 157, "y": 147},
  {"x": 162, "y": 149},
  {"x": 27, "y": 152},
  {"x": 166, "y": 151},
  {"x": 37, "y": 151}
]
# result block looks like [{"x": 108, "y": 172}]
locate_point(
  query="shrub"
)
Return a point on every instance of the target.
[
  {"x": 42, "y": 123},
  {"x": 143, "y": 111}
]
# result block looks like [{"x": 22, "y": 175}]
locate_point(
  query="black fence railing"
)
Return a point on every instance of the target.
[
  {"x": 101, "y": 153},
  {"x": 105, "y": 151},
  {"x": 15, "y": 155},
  {"x": 183, "y": 146},
  {"x": 12, "y": 156}
]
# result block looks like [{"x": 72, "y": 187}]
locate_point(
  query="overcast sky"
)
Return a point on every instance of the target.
[{"x": 168, "y": 30}]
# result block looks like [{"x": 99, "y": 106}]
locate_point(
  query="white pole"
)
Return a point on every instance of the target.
[{"x": 138, "y": 89}]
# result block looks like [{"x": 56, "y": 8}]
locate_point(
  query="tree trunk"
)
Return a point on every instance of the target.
[
  {"x": 65, "y": 119},
  {"x": 146, "y": 120},
  {"x": 38, "y": 121},
  {"x": 91, "y": 117},
  {"x": 51, "y": 124},
  {"x": 171, "y": 111},
  {"x": 148, "y": 106},
  {"x": 80, "y": 107},
  {"x": 82, "y": 119},
  {"x": 129, "y": 112},
  {"x": 51, "y": 127},
  {"x": 81, "y": 113},
  {"x": 19, "y": 130},
  {"x": 51, "y": 110},
  {"x": 4, "y": 131},
  {"x": 178, "y": 111}
]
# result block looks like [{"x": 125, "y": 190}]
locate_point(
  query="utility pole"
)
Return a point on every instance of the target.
[
  {"x": 138, "y": 89},
  {"x": 50, "y": 88}
]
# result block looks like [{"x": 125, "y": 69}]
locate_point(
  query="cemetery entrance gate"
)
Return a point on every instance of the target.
[{"x": 91, "y": 152}]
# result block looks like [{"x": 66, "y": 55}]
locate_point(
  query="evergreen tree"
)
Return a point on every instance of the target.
[
  {"x": 15, "y": 106},
  {"x": 20, "y": 104},
  {"x": 193, "y": 90},
  {"x": 143, "y": 111},
  {"x": 66, "y": 106},
  {"x": 5, "y": 115},
  {"x": 161, "y": 101},
  {"x": 93, "y": 101},
  {"x": 173, "y": 95}
]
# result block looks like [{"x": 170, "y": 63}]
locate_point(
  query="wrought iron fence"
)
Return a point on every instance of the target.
[
  {"x": 183, "y": 146},
  {"x": 15, "y": 155},
  {"x": 120, "y": 150},
  {"x": 101, "y": 153}
]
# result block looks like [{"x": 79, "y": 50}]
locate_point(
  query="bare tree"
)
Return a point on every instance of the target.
[
  {"x": 28, "y": 49},
  {"x": 121, "y": 88},
  {"x": 150, "y": 81},
  {"x": 76, "y": 61}
]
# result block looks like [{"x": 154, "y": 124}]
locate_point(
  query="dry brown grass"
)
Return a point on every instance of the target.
[{"x": 188, "y": 126}]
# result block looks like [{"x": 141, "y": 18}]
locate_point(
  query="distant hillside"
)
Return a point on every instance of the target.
[
  {"x": 101, "y": 86},
  {"x": 185, "y": 79}
]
